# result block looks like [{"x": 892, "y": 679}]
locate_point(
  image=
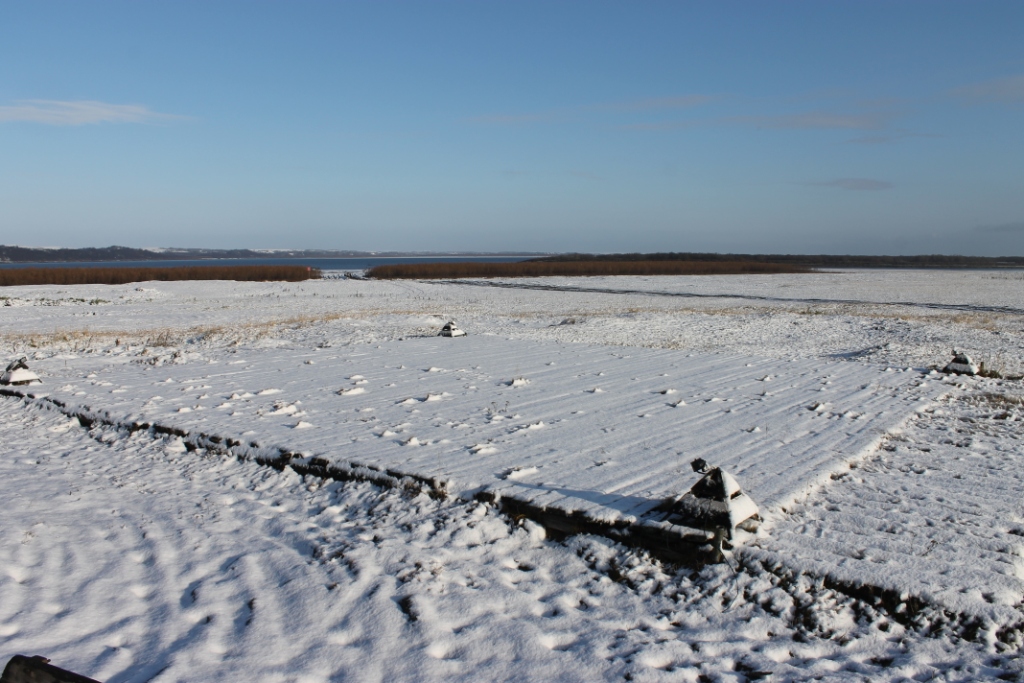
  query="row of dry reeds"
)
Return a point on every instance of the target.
[
  {"x": 434, "y": 271},
  {"x": 120, "y": 276}
]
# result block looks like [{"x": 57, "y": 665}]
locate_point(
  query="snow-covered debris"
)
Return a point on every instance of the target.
[
  {"x": 450, "y": 330},
  {"x": 716, "y": 502},
  {"x": 961, "y": 364},
  {"x": 18, "y": 374}
]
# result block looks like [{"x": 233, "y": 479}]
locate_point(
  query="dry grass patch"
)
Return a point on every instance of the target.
[{"x": 11, "y": 277}]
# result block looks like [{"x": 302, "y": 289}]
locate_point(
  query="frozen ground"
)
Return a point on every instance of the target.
[{"x": 428, "y": 590}]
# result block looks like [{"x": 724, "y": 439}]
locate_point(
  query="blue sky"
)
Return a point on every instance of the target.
[{"x": 794, "y": 127}]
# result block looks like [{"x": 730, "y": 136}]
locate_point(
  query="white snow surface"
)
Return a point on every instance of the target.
[
  {"x": 128, "y": 557},
  {"x": 613, "y": 455}
]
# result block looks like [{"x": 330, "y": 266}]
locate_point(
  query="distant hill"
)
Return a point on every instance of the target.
[
  {"x": 12, "y": 254},
  {"x": 812, "y": 261}
]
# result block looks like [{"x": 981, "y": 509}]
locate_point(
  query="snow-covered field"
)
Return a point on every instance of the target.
[{"x": 128, "y": 557}]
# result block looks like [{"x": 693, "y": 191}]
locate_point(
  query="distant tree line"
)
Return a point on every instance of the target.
[
  {"x": 810, "y": 261},
  {"x": 577, "y": 268}
]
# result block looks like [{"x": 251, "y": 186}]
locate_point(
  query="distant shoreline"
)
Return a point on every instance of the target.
[
  {"x": 804, "y": 260},
  {"x": 15, "y": 257},
  {"x": 323, "y": 264},
  {"x": 114, "y": 254}
]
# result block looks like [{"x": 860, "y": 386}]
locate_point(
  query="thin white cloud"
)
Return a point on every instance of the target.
[
  {"x": 79, "y": 113},
  {"x": 677, "y": 102},
  {"x": 510, "y": 119},
  {"x": 568, "y": 113},
  {"x": 1002, "y": 228},
  {"x": 1008, "y": 90},
  {"x": 885, "y": 139},
  {"x": 860, "y": 184},
  {"x": 587, "y": 175},
  {"x": 667, "y": 125},
  {"x": 816, "y": 120}
]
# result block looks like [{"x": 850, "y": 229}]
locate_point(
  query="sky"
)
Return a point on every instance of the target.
[{"x": 861, "y": 126}]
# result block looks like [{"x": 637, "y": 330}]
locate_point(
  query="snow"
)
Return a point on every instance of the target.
[
  {"x": 132, "y": 556},
  {"x": 817, "y": 414}
]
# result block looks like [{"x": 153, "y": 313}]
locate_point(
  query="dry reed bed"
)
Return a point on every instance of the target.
[
  {"x": 10, "y": 277},
  {"x": 434, "y": 271}
]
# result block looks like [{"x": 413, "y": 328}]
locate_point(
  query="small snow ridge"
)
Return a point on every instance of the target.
[
  {"x": 519, "y": 472},
  {"x": 66, "y": 426},
  {"x": 518, "y": 382},
  {"x": 351, "y": 391},
  {"x": 176, "y": 445},
  {"x": 269, "y": 392},
  {"x": 483, "y": 449},
  {"x": 283, "y": 408},
  {"x": 302, "y": 424}
]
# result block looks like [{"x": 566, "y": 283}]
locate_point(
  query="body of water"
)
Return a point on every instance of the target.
[{"x": 325, "y": 264}]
